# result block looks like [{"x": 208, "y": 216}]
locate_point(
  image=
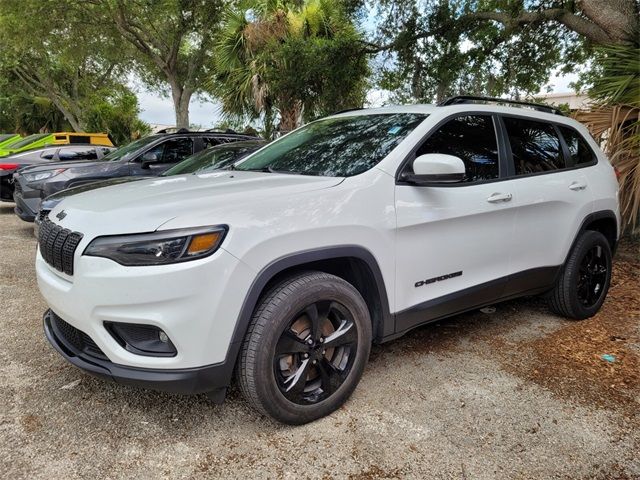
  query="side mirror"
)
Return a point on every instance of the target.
[
  {"x": 148, "y": 158},
  {"x": 435, "y": 168}
]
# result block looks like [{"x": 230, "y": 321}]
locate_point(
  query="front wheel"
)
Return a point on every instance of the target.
[
  {"x": 583, "y": 284},
  {"x": 306, "y": 348}
]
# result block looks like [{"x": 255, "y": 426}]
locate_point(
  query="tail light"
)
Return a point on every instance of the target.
[{"x": 9, "y": 166}]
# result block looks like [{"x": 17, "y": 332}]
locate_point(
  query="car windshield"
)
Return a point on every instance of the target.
[
  {"x": 214, "y": 158},
  {"x": 335, "y": 147},
  {"x": 27, "y": 140},
  {"x": 128, "y": 151}
]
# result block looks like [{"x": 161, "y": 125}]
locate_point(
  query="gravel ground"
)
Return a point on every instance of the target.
[{"x": 472, "y": 398}]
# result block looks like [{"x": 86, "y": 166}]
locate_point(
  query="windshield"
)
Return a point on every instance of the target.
[
  {"x": 335, "y": 147},
  {"x": 129, "y": 151},
  {"x": 214, "y": 158},
  {"x": 27, "y": 140}
]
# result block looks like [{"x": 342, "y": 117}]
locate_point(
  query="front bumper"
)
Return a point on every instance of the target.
[
  {"x": 185, "y": 381},
  {"x": 196, "y": 303},
  {"x": 27, "y": 201}
]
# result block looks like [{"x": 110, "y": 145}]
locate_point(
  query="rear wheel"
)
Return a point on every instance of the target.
[
  {"x": 582, "y": 287},
  {"x": 306, "y": 348}
]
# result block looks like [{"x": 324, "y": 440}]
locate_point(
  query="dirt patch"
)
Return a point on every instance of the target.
[{"x": 596, "y": 360}]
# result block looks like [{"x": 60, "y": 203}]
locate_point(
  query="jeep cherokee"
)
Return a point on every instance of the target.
[{"x": 353, "y": 229}]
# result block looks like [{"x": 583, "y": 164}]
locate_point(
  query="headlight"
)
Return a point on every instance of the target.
[
  {"x": 158, "y": 248},
  {"x": 39, "y": 176}
]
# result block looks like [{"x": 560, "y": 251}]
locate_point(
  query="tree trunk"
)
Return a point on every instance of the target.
[
  {"x": 181, "y": 98},
  {"x": 75, "y": 122},
  {"x": 289, "y": 117}
]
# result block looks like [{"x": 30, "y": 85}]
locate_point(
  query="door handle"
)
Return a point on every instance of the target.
[
  {"x": 575, "y": 186},
  {"x": 500, "y": 197}
]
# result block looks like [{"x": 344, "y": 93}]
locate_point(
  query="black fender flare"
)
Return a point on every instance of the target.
[
  {"x": 297, "y": 259},
  {"x": 592, "y": 217}
]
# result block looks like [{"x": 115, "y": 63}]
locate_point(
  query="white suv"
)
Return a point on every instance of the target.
[{"x": 350, "y": 230}]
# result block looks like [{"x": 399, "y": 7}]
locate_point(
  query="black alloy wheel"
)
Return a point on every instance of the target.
[{"x": 315, "y": 352}]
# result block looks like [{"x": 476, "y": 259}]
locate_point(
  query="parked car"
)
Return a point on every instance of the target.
[
  {"x": 39, "y": 140},
  {"x": 149, "y": 156},
  {"x": 7, "y": 139},
  {"x": 51, "y": 156},
  {"x": 353, "y": 229},
  {"x": 218, "y": 157}
]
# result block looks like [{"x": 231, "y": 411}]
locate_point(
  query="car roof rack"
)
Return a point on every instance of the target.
[
  {"x": 464, "y": 99},
  {"x": 225, "y": 130}
]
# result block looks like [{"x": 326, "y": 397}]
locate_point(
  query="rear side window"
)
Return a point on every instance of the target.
[
  {"x": 535, "y": 146},
  {"x": 78, "y": 139},
  {"x": 77, "y": 153},
  {"x": 581, "y": 153},
  {"x": 471, "y": 138}
]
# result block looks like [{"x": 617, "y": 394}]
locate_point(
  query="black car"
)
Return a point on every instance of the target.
[
  {"x": 148, "y": 156},
  {"x": 50, "y": 156}
]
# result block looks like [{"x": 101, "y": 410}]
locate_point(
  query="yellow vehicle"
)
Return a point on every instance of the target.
[
  {"x": 64, "y": 138},
  {"x": 39, "y": 140}
]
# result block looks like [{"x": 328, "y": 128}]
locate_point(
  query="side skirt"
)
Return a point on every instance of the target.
[{"x": 529, "y": 282}]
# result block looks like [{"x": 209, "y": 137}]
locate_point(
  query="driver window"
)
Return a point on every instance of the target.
[
  {"x": 177, "y": 150},
  {"x": 173, "y": 151},
  {"x": 472, "y": 138}
]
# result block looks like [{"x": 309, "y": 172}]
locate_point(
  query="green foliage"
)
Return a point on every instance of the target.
[
  {"x": 435, "y": 53},
  {"x": 172, "y": 39},
  {"x": 618, "y": 81},
  {"x": 117, "y": 114},
  {"x": 291, "y": 60}
]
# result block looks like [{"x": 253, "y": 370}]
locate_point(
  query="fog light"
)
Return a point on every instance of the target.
[{"x": 147, "y": 340}]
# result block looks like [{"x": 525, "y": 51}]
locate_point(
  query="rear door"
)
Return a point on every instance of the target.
[
  {"x": 453, "y": 241},
  {"x": 552, "y": 196}
]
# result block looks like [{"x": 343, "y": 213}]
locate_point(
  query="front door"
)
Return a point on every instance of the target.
[{"x": 453, "y": 241}]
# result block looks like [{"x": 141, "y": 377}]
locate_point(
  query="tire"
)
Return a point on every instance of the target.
[
  {"x": 581, "y": 289},
  {"x": 290, "y": 387}
]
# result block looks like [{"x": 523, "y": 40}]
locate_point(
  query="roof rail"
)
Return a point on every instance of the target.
[
  {"x": 225, "y": 130},
  {"x": 463, "y": 99}
]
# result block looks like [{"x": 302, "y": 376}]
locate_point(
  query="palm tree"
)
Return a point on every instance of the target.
[
  {"x": 258, "y": 48},
  {"x": 614, "y": 120}
]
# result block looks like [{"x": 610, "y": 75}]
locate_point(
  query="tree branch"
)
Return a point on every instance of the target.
[{"x": 570, "y": 20}]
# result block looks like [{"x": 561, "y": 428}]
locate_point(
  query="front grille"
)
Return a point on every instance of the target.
[
  {"x": 76, "y": 338},
  {"x": 58, "y": 245},
  {"x": 42, "y": 214}
]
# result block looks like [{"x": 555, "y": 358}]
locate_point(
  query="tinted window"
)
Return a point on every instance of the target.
[
  {"x": 77, "y": 153},
  {"x": 580, "y": 151},
  {"x": 535, "y": 146},
  {"x": 176, "y": 150},
  {"x": 335, "y": 147},
  {"x": 79, "y": 139},
  {"x": 214, "y": 158},
  {"x": 471, "y": 138},
  {"x": 128, "y": 152}
]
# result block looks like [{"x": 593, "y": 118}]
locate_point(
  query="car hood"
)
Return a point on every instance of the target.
[
  {"x": 72, "y": 164},
  {"x": 58, "y": 196},
  {"x": 204, "y": 199}
]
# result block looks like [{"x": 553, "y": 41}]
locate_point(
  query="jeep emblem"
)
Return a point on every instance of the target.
[{"x": 61, "y": 215}]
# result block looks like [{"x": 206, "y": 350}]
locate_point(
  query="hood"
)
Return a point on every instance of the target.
[
  {"x": 210, "y": 198},
  {"x": 72, "y": 164},
  {"x": 92, "y": 186}
]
